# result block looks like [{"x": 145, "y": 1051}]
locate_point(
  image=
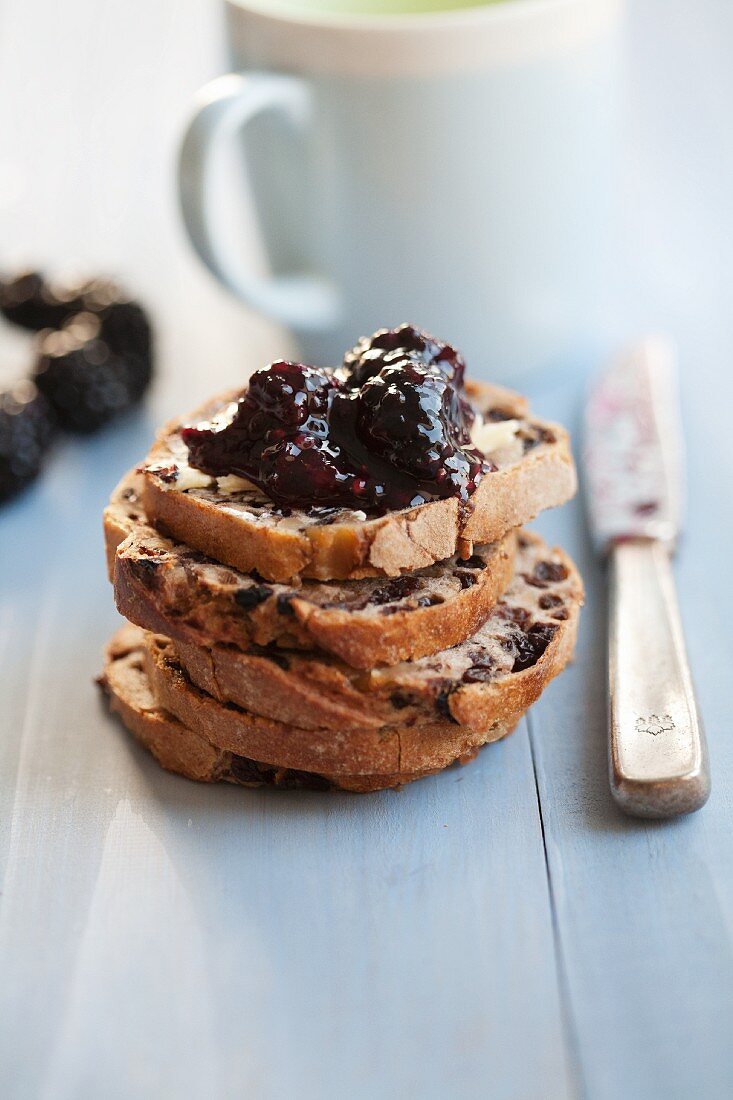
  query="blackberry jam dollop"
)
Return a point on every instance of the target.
[
  {"x": 392, "y": 347},
  {"x": 388, "y": 430}
]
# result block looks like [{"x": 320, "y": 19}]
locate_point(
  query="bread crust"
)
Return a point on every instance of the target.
[
  {"x": 164, "y": 587},
  {"x": 182, "y": 751},
  {"x": 228, "y": 529},
  {"x": 121, "y": 516}
]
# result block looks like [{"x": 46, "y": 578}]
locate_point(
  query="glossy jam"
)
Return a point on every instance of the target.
[{"x": 389, "y": 429}]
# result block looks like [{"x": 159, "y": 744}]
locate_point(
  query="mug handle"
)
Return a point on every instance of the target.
[{"x": 222, "y": 109}]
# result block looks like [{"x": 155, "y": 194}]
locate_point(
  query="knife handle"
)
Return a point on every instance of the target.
[{"x": 658, "y": 755}]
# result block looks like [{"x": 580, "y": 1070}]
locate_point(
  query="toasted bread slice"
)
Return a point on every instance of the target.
[
  {"x": 233, "y": 522},
  {"x": 526, "y": 640},
  {"x": 385, "y": 750},
  {"x": 181, "y": 750},
  {"x": 167, "y": 587}
]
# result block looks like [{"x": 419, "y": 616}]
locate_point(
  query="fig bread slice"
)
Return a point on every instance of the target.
[
  {"x": 385, "y": 750},
  {"x": 185, "y": 752},
  {"x": 527, "y": 640},
  {"x": 232, "y": 521},
  {"x": 167, "y": 587}
]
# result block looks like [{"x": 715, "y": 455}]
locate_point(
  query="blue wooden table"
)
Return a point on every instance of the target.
[{"x": 496, "y": 931}]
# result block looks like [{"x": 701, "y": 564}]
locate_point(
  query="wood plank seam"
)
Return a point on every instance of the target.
[{"x": 570, "y": 1031}]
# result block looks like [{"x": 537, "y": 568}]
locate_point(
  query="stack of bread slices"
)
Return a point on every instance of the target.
[{"x": 324, "y": 648}]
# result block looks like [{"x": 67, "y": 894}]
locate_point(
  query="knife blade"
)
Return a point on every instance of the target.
[{"x": 633, "y": 461}]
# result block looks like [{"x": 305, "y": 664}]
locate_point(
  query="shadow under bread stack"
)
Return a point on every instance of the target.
[{"x": 326, "y": 577}]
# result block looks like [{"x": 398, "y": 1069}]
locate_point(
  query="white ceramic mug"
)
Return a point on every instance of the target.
[{"x": 452, "y": 169}]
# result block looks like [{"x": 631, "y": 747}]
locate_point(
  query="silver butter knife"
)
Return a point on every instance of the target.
[{"x": 633, "y": 457}]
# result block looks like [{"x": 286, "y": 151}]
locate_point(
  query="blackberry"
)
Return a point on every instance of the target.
[
  {"x": 26, "y": 429},
  {"x": 308, "y": 468},
  {"x": 399, "y": 347},
  {"x": 29, "y": 301},
  {"x": 291, "y": 395},
  {"x": 279, "y": 438},
  {"x": 32, "y": 302},
  {"x": 125, "y": 325},
  {"x": 84, "y": 380},
  {"x": 414, "y": 418},
  {"x": 283, "y": 400}
]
